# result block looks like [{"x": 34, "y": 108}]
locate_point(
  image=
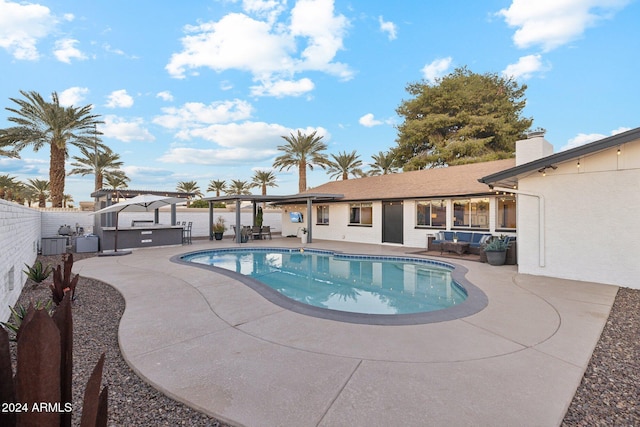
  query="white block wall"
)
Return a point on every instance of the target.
[
  {"x": 19, "y": 239},
  {"x": 590, "y": 220},
  {"x": 52, "y": 219}
]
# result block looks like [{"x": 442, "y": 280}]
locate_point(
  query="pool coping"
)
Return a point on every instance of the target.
[{"x": 475, "y": 302}]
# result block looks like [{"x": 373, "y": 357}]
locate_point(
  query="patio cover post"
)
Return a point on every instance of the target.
[
  {"x": 173, "y": 214},
  {"x": 210, "y": 220},
  {"x": 156, "y": 216},
  {"x": 238, "y": 226},
  {"x": 310, "y": 236}
]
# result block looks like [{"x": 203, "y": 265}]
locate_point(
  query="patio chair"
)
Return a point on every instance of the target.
[
  {"x": 266, "y": 231},
  {"x": 256, "y": 233}
]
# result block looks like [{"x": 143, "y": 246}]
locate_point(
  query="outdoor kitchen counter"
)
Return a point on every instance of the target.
[{"x": 141, "y": 236}]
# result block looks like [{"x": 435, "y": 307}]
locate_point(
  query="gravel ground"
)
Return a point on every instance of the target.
[
  {"x": 610, "y": 389},
  {"x": 607, "y": 396}
]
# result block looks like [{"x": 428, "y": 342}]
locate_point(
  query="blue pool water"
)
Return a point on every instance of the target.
[{"x": 350, "y": 283}]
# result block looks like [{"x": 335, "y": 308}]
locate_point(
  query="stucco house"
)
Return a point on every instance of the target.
[
  {"x": 577, "y": 209},
  {"x": 407, "y": 207}
]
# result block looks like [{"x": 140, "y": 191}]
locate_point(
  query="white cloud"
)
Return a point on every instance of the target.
[
  {"x": 234, "y": 142},
  {"x": 585, "y": 138},
  {"x": 269, "y": 9},
  {"x": 68, "y": 17},
  {"x": 368, "y": 121},
  {"x": 550, "y": 24},
  {"x": 436, "y": 69},
  {"x": 123, "y": 130},
  {"x": 197, "y": 114},
  {"x": 389, "y": 28},
  {"x": 215, "y": 156},
  {"x": 283, "y": 88},
  {"x": 66, "y": 50},
  {"x": 257, "y": 135},
  {"x": 119, "y": 98},
  {"x": 73, "y": 96},
  {"x": 525, "y": 67},
  {"x": 268, "y": 49},
  {"x": 165, "y": 95},
  {"x": 22, "y": 25}
]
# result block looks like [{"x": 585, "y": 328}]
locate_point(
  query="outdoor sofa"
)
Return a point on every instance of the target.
[{"x": 476, "y": 240}]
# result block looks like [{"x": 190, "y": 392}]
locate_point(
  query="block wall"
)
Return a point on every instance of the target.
[{"x": 19, "y": 241}]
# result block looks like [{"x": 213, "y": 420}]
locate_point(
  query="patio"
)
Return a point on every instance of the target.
[{"x": 211, "y": 342}]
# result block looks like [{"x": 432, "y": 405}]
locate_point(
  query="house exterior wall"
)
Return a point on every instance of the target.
[
  {"x": 340, "y": 230},
  {"x": 590, "y": 228},
  {"x": 19, "y": 241}
]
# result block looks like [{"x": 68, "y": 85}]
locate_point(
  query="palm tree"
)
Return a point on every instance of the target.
[
  {"x": 189, "y": 187},
  {"x": 7, "y": 183},
  {"x": 39, "y": 122},
  {"x": 384, "y": 163},
  {"x": 344, "y": 164},
  {"x": 66, "y": 200},
  {"x": 102, "y": 164},
  {"x": 301, "y": 151},
  {"x": 41, "y": 189},
  {"x": 238, "y": 187},
  {"x": 217, "y": 186},
  {"x": 117, "y": 182},
  {"x": 7, "y": 152},
  {"x": 263, "y": 179}
]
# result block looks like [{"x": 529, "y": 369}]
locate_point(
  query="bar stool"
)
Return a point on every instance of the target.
[{"x": 186, "y": 233}]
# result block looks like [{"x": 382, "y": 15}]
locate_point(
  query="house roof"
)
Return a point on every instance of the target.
[
  {"x": 439, "y": 182},
  {"x": 509, "y": 176}
]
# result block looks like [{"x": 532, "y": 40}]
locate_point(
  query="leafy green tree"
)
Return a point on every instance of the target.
[
  {"x": 238, "y": 187},
  {"x": 383, "y": 163},
  {"x": 40, "y": 123},
  {"x": 217, "y": 186},
  {"x": 263, "y": 179},
  {"x": 116, "y": 181},
  {"x": 189, "y": 187},
  {"x": 301, "y": 151},
  {"x": 345, "y": 164},
  {"x": 462, "y": 118},
  {"x": 101, "y": 163},
  {"x": 41, "y": 189}
]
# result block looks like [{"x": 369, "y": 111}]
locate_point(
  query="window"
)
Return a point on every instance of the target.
[
  {"x": 431, "y": 213},
  {"x": 473, "y": 213},
  {"x": 360, "y": 214},
  {"x": 322, "y": 214},
  {"x": 506, "y": 212}
]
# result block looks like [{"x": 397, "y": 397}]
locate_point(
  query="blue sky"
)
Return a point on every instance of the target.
[{"x": 203, "y": 90}]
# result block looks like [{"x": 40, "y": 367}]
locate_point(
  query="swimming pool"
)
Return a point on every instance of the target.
[{"x": 349, "y": 287}]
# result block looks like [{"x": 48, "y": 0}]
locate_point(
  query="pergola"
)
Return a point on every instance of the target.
[
  {"x": 307, "y": 198},
  {"x": 108, "y": 194}
]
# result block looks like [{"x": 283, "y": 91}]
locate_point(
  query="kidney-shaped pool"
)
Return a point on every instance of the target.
[{"x": 347, "y": 287}]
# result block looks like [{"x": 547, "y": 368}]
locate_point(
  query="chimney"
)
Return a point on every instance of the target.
[{"x": 533, "y": 148}]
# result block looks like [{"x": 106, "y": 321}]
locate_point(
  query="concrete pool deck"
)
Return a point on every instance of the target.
[{"x": 211, "y": 342}]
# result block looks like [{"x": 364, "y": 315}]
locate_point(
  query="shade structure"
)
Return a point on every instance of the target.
[{"x": 141, "y": 203}]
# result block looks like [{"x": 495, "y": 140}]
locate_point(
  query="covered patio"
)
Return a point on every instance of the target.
[{"x": 237, "y": 199}]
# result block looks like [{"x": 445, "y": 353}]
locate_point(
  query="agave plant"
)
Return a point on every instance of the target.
[
  {"x": 38, "y": 273},
  {"x": 19, "y": 312}
]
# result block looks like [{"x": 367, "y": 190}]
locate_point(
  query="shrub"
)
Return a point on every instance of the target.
[{"x": 199, "y": 204}]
